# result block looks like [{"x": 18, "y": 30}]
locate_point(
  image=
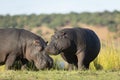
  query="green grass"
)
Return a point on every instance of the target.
[{"x": 60, "y": 75}]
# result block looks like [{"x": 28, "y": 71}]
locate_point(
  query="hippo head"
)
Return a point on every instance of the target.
[
  {"x": 35, "y": 52},
  {"x": 60, "y": 42},
  {"x": 43, "y": 61}
]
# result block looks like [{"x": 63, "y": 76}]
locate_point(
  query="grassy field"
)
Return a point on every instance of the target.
[{"x": 60, "y": 75}]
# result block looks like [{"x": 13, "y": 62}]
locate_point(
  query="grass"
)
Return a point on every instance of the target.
[
  {"x": 108, "y": 58},
  {"x": 60, "y": 75}
]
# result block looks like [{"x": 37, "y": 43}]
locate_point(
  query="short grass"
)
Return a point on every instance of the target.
[{"x": 60, "y": 75}]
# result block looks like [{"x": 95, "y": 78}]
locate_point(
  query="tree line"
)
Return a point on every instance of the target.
[{"x": 106, "y": 18}]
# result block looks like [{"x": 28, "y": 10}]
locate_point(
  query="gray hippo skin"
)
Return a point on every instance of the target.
[
  {"x": 23, "y": 45},
  {"x": 77, "y": 46}
]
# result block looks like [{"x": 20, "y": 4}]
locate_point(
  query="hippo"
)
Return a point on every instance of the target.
[
  {"x": 77, "y": 46},
  {"x": 25, "y": 46}
]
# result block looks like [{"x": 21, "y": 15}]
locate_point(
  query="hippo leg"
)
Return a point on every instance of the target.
[
  {"x": 10, "y": 60},
  {"x": 24, "y": 64},
  {"x": 70, "y": 66},
  {"x": 83, "y": 62}
]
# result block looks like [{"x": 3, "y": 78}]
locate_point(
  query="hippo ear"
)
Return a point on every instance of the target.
[
  {"x": 36, "y": 42},
  {"x": 63, "y": 34}
]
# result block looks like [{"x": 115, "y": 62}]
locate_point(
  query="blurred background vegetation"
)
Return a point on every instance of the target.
[{"x": 106, "y": 18}]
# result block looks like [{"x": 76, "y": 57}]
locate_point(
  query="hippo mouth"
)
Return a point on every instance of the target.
[
  {"x": 53, "y": 51},
  {"x": 44, "y": 64},
  {"x": 56, "y": 52}
]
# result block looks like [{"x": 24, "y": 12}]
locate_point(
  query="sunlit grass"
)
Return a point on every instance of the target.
[
  {"x": 108, "y": 59},
  {"x": 2, "y": 68}
]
